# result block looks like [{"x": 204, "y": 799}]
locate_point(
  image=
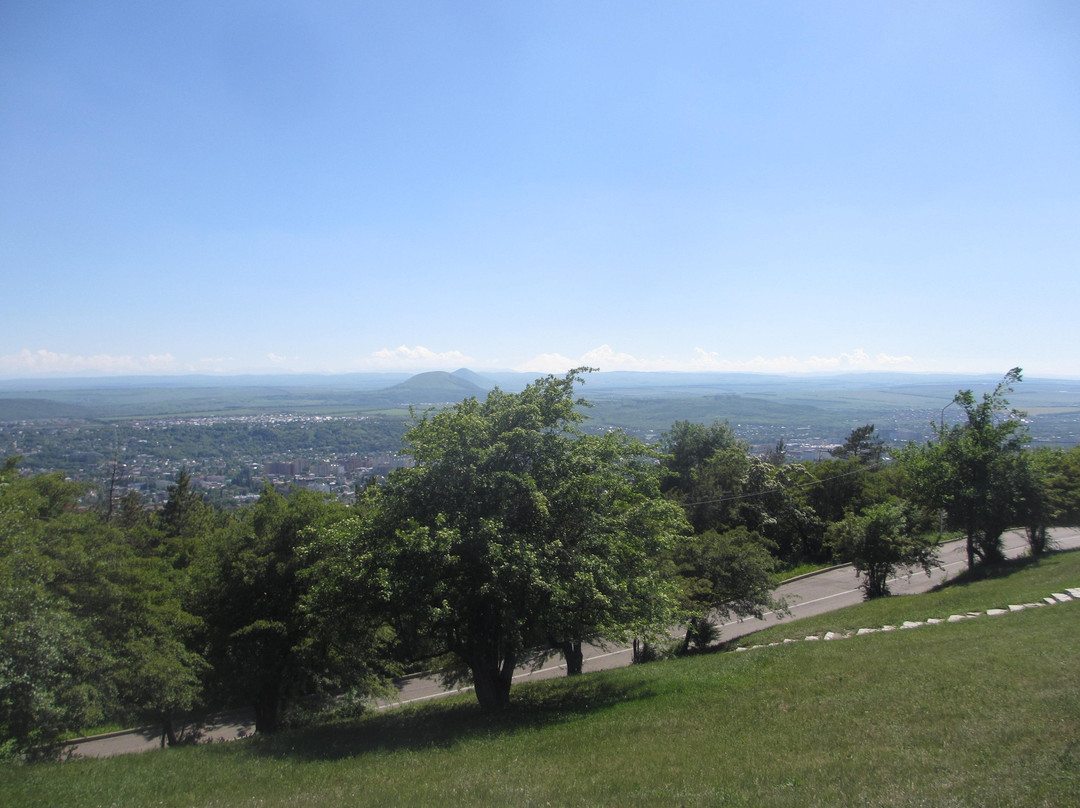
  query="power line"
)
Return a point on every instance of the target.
[{"x": 731, "y": 497}]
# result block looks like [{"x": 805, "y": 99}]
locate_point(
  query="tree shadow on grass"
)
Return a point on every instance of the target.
[{"x": 445, "y": 722}]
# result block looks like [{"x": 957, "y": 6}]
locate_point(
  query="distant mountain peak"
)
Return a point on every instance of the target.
[
  {"x": 472, "y": 377},
  {"x": 437, "y": 385}
]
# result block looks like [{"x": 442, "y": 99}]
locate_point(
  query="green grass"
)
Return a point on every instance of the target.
[
  {"x": 984, "y": 712},
  {"x": 89, "y": 732},
  {"x": 795, "y": 570},
  {"x": 1020, "y": 580}
]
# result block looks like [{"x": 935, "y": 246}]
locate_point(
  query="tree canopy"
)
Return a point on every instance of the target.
[
  {"x": 515, "y": 531},
  {"x": 976, "y": 471}
]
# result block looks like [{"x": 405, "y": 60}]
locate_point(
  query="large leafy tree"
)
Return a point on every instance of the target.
[
  {"x": 722, "y": 487},
  {"x": 1062, "y": 479},
  {"x": 705, "y": 469},
  {"x": 130, "y": 601},
  {"x": 93, "y": 627},
  {"x": 260, "y": 640},
  {"x": 878, "y": 542},
  {"x": 723, "y": 574},
  {"x": 608, "y": 525},
  {"x": 46, "y": 659},
  {"x": 853, "y": 479},
  {"x": 977, "y": 470},
  {"x": 514, "y": 531},
  {"x": 295, "y": 603}
]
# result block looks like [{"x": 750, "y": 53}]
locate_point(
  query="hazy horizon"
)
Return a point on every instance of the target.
[{"x": 27, "y": 381}]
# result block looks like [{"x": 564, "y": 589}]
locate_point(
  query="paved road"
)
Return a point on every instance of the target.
[{"x": 809, "y": 595}]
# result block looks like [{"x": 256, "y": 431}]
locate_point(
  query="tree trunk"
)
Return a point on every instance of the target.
[
  {"x": 168, "y": 731},
  {"x": 990, "y": 548},
  {"x": 877, "y": 577},
  {"x": 574, "y": 656},
  {"x": 492, "y": 678},
  {"x": 266, "y": 708},
  {"x": 689, "y": 636},
  {"x": 1037, "y": 540}
]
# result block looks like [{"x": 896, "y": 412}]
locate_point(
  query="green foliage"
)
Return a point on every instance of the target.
[
  {"x": 688, "y": 446},
  {"x": 1059, "y": 471},
  {"x": 258, "y": 597},
  {"x": 94, "y": 627},
  {"x": 878, "y": 542},
  {"x": 730, "y": 573},
  {"x": 515, "y": 532},
  {"x": 46, "y": 658},
  {"x": 861, "y": 445},
  {"x": 722, "y": 487},
  {"x": 977, "y": 470}
]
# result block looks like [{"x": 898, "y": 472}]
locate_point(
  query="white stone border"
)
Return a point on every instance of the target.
[{"x": 1053, "y": 599}]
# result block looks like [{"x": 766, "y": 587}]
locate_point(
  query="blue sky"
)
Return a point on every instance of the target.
[{"x": 329, "y": 186}]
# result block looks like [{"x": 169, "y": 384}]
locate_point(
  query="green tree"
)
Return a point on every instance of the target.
[
  {"x": 852, "y": 479},
  {"x": 48, "y": 664},
  {"x": 608, "y": 526},
  {"x": 723, "y": 574},
  {"x": 861, "y": 445},
  {"x": 705, "y": 467},
  {"x": 1059, "y": 471},
  {"x": 721, "y": 486},
  {"x": 186, "y": 521},
  {"x": 878, "y": 542},
  {"x": 514, "y": 532},
  {"x": 265, "y": 646},
  {"x": 975, "y": 470}
]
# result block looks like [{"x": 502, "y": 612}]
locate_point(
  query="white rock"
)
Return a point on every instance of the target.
[
  {"x": 995, "y": 612},
  {"x": 862, "y": 631},
  {"x": 1049, "y": 601},
  {"x": 1034, "y": 605},
  {"x": 1061, "y": 596},
  {"x": 1016, "y": 607},
  {"x": 888, "y": 628},
  {"x": 786, "y": 641},
  {"x": 811, "y": 639},
  {"x": 933, "y": 621},
  {"x": 832, "y": 635},
  {"x": 973, "y": 614},
  {"x": 1074, "y": 592},
  {"x": 741, "y": 649},
  {"x": 911, "y": 624},
  {"x": 955, "y": 618}
]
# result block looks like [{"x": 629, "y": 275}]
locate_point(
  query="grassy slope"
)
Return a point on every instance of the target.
[{"x": 983, "y": 712}]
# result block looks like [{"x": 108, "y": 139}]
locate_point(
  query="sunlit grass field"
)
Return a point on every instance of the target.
[{"x": 984, "y": 712}]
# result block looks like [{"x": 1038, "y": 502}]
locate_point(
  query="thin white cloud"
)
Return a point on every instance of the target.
[
  {"x": 405, "y": 358},
  {"x": 211, "y": 364},
  {"x": 548, "y": 363},
  {"x": 276, "y": 359},
  {"x": 43, "y": 361},
  {"x": 605, "y": 358}
]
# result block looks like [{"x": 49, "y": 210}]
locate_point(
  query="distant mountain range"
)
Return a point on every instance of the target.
[
  {"x": 32, "y": 409},
  {"x": 644, "y": 401}
]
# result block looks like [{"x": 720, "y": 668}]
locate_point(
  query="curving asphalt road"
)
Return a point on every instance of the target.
[{"x": 808, "y": 595}]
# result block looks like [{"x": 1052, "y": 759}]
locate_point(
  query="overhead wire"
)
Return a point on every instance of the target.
[{"x": 729, "y": 498}]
